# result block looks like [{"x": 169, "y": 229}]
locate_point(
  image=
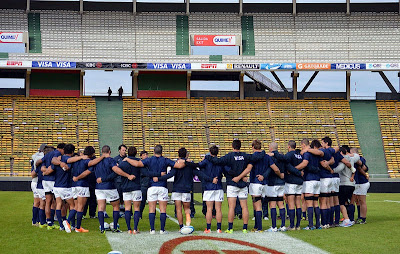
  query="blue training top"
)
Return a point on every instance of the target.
[{"x": 156, "y": 165}]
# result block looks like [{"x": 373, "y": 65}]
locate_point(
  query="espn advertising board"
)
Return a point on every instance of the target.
[
  {"x": 348, "y": 66},
  {"x": 11, "y": 37},
  {"x": 46, "y": 64},
  {"x": 15, "y": 64},
  {"x": 383, "y": 66},
  {"x": 208, "y": 66},
  {"x": 278, "y": 66},
  {"x": 169, "y": 66},
  {"x": 216, "y": 40}
]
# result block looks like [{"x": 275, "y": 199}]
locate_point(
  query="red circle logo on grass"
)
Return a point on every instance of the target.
[{"x": 171, "y": 246}]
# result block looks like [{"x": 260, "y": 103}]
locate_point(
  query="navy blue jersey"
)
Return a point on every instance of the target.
[
  {"x": 183, "y": 178},
  {"x": 62, "y": 178},
  {"x": 103, "y": 169},
  {"x": 292, "y": 174},
  {"x": 323, "y": 172},
  {"x": 338, "y": 157},
  {"x": 47, "y": 162},
  {"x": 279, "y": 161},
  {"x": 212, "y": 171},
  {"x": 358, "y": 177},
  {"x": 311, "y": 172},
  {"x": 259, "y": 168},
  {"x": 118, "y": 159},
  {"x": 78, "y": 168},
  {"x": 40, "y": 176},
  {"x": 237, "y": 162},
  {"x": 156, "y": 165}
]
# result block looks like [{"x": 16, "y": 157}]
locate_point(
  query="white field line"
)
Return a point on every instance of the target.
[{"x": 169, "y": 217}]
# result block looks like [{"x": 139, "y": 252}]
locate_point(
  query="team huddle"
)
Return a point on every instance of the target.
[{"x": 316, "y": 180}]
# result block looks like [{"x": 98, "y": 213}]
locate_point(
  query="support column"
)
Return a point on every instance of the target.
[
  {"x": 134, "y": 7},
  {"x": 241, "y": 85},
  {"x": 81, "y": 6},
  {"x": 294, "y": 8},
  {"x": 81, "y": 83},
  {"x": 348, "y": 75},
  {"x": 135, "y": 86},
  {"x": 188, "y": 76},
  {"x": 28, "y": 6},
  {"x": 294, "y": 75},
  {"x": 347, "y": 7},
  {"x": 240, "y": 7},
  {"x": 28, "y": 82},
  {"x": 187, "y": 7}
]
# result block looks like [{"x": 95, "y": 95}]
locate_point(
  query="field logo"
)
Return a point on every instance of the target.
[{"x": 236, "y": 246}]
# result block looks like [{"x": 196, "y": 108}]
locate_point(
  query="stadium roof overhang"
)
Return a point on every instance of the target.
[{"x": 181, "y": 6}]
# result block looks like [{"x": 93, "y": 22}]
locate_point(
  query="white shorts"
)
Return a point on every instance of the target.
[
  {"x": 361, "y": 189},
  {"x": 132, "y": 195},
  {"x": 63, "y": 193},
  {"x": 326, "y": 185},
  {"x": 184, "y": 197},
  {"x": 41, "y": 194},
  {"x": 234, "y": 192},
  {"x": 48, "y": 186},
  {"x": 157, "y": 193},
  {"x": 335, "y": 184},
  {"x": 34, "y": 190},
  {"x": 275, "y": 191},
  {"x": 108, "y": 195},
  {"x": 312, "y": 187},
  {"x": 79, "y": 191},
  {"x": 292, "y": 189},
  {"x": 256, "y": 189},
  {"x": 213, "y": 195}
]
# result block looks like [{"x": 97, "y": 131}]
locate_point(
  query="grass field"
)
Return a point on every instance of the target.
[{"x": 379, "y": 235}]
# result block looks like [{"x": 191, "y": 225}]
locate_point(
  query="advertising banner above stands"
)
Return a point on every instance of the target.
[
  {"x": 168, "y": 66},
  {"x": 348, "y": 66},
  {"x": 94, "y": 65},
  {"x": 209, "y": 66},
  {"x": 278, "y": 66},
  {"x": 313, "y": 66},
  {"x": 383, "y": 66},
  {"x": 129, "y": 65},
  {"x": 243, "y": 66},
  {"x": 45, "y": 64},
  {"x": 214, "y": 40},
  {"x": 11, "y": 37},
  {"x": 13, "y": 64}
]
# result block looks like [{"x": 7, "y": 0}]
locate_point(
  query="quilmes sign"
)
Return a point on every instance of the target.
[
  {"x": 214, "y": 40},
  {"x": 11, "y": 37},
  {"x": 168, "y": 66},
  {"x": 45, "y": 64}
]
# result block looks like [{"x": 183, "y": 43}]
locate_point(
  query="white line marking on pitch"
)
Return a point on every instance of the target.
[
  {"x": 169, "y": 217},
  {"x": 392, "y": 201}
]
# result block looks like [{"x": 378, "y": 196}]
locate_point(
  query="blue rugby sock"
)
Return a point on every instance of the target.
[
  {"x": 230, "y": 225},
  {"x": 163, "y": 218},
  {"x": 273, "y": 217},
  {"x": 282, "y": 213},
  {"x": 42, "y": 216},
  {"x": 101, "y": 220},
  {"x": 258, "y": 220},
  {"x": 59, "y": 218},
  {"x": 136, "y": 218},
  {"x": 317, "y": 217},
  {"x": 337, "y": 214},
  {"x": 310, "y": 214},
  {"x": 218, "y": 225},
  {"x": 358, "y": 212},
  {"x": 298, "y": 217},
  {"x": 152, "y": 218},
  {"x": 79, "y": 217},
  {"x": 71, "y": 218},
  {"x": 351, "y": 212},
  {"x": 115, "y": 219},
  {"x": 291, "y": 217},
  {"x": 331, "y": 214},
  {"x": 128, "y": 216},
  {"x": 35, "y": 216},
  {"x": 208, "y": 226}
]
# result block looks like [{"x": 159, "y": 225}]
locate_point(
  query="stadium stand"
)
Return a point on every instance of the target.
[
  {"x": 152, "y": 37},
  {"x": 35, "y": 121},
  {"x": 133, "y": 126},
  {"x": 389, "y": 122}
]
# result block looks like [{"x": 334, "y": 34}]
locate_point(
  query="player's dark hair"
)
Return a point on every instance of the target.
[
  {"x": 236, "y": 144},
  {"x": 69, "y": 149},
  {"x": 75, "y": 154},
  {"x": 61, "y": 146},
  {"x": 119, "y": 147},
  {"x": 342, "y": 150},
  {"x": 105, "y": 149},
  {"x": 327, "y": 140},
  {"x": 132, "y": 151},
  {"x": 48, "y": 149},
  {"x": 158, "y": 149},
  {"x": 143, "y": 152},
  {"x": 315, "y": 144},
  {"x": 89, "y": 151},
  {"x": 347, "y": 148},
  {"x": 305, "y": 141},
  {"x": 292, "y": 144},
  {"x": 256, "y": 144},
  {"x": 214, "y": 150},
  {"x": 182, "y": 152}
]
